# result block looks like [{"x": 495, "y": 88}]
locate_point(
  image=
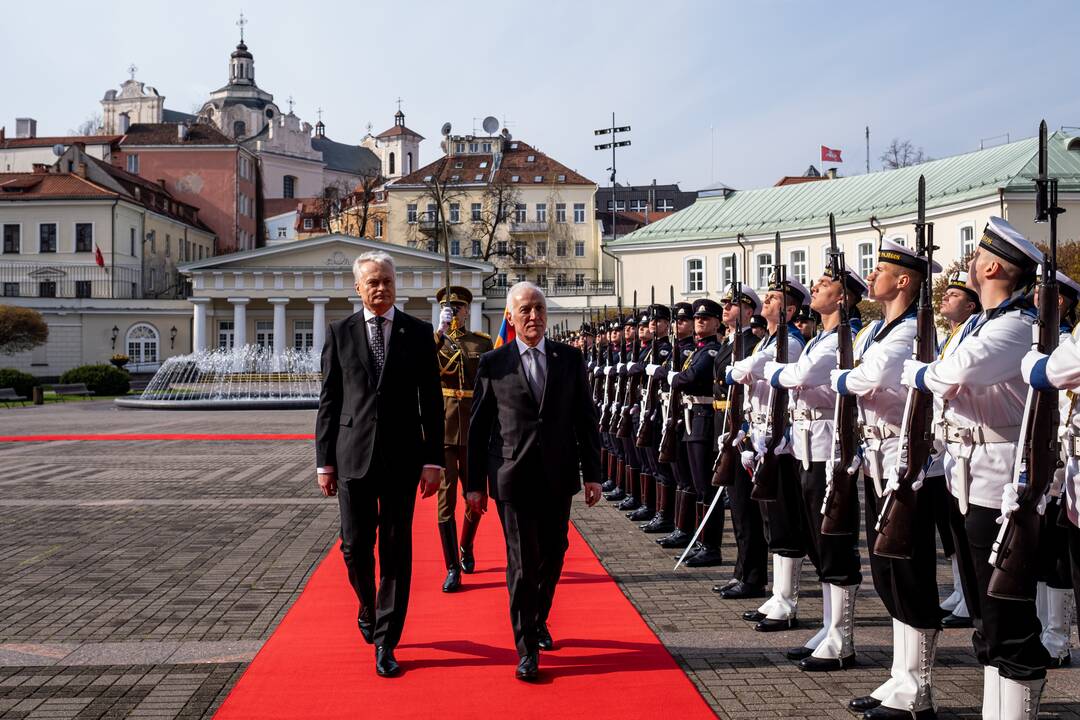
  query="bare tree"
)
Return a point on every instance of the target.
[
  {"x": 497, "y": 201},
  {"x": 90, "y": 126},
  {"x": 328, "y": 204},
  {"x": 357, "y": 210},
  {"x": 902, "y": 153}
]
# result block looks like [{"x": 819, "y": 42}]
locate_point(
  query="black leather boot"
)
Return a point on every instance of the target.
[
  {"x": 684, "y": 521},
  {"x": 648, "y": 498},
  {"x": 606, "y": 461},
  {"x": 711, "y": 536},
  {"x": 663, "y": 521},
  {"x": 633, "y": 492},
  {"x": 619, "y": 492},
  {"x": 448, "y": 536},
  {"x": 468, "y": 534}
]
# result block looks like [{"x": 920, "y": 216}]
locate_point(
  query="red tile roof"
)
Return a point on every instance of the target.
[
  {"x": 12, "y": 143},
  {"x": 398, "y": 130},
  {"x": 53, "y": 186},
  {"x": 166, "y": 134},
  {"x": 797, "y": 180},
  {"x": 516, "y": 162}
]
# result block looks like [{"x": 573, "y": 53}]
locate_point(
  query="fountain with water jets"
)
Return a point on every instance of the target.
[{"x": 247, "y": 377}]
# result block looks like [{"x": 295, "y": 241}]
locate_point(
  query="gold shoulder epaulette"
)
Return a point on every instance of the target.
[{"x": 482, "y": 334}]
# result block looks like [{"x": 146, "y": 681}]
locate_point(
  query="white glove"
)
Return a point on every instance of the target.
[
  {"x": 634, "y": 368},
  {"x": 608, "y": 370},
  {"x": 917, "y": 485},
  {"x": 911, "y": 369},
  {"x": 445, "y": 318},
  {"x": 892, "y": 483},
  {"x": 740, "y": 373},
  {"x": 671, "y": 376},
  {"x": 652, "y": 370},
  {"x": 1028, "y": 364},
  {"x": 739, "y": 437},
  {"x": 784, "y": 446},
  {"x": 834, "y": 378},
  {"x": 749, "y": 459},
  {"x": 1010, "y": 501},
  {"x": 760, "y": 446}
]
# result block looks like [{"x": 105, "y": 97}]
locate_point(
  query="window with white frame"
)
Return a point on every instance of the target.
[
  {"x": 133, "y": 164},
  {"x": 764, "y": 270},
  {"x": 455, "y": 247},
  {"x": 560, "y": 212},
  {"x": 579, "y": 212},
  {"x": 378, "y": 228},
  {"x": 560, "y": 248},
  {"x": 264, "y": 334},
  {"x": 84, "y": 237},
  {"x": 500, "y": 279},
  {"x": 410, "y": 213},
  {"x": 12, "y": 242},
  {"x": 727, "y": 271},
  {"x": 142, "y": 343},
  {"x": 664, "y": 205},
  {"x": 455, "y": 212},
  {"x": 967, "y": 240},
  {"x": 899, "y": 240},
  {"x": 560, "y": 279},
  {"x": 475, "y": 209},
  {"x": 579, "y": 248},
  {"x": 474, "y": 147},
  {"x": 309, "y": 224},
  {"x": 579, "y": 279},
  {"x": 303, "y": 334},
  {"x": 476, "y": 252},
  {"x": 695, "y": 275},
  {"x": 866, "y": 259},
  {"x": 541, "y": 248},
  {"x": 639, "y": 206},
  {"x": 47, "y": 237},
  {"x": 541, "y": 212},
  {"x": 519, "y": 213},
  {"x": 798, "y": 265}
]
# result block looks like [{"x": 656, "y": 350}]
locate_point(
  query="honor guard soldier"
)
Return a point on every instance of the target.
[
  {"x": 623, "y": 422},
  {"x": 682, "y": 507},
  {"x": 807, "y": 320},
  {"x": 959, "y": 307},
  {"x": 784, "y": 517},
  {"x": 750, "y": 574},
  {"x": 695, "y": 384},
  {"x": 459, "y": 355},
  {"x": 1054, "y": 599},
  {"x": 1061, "y": 370},
  {"x": 653, "y": 327},
  {"x": 758, "y": 326},
  {"x": 834, "y": 557},
  {"x": 908, "y": 588},
  {"x": 615, "y": 468},
  {"x": 983, "y": 390}
]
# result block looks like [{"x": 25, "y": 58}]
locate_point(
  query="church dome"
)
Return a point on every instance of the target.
[{"x": 241, "y": 51}]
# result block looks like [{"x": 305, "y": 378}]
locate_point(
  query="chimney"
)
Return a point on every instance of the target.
[
  {"x": 161, "y": 182},
  {"x": 2, "y": 129},
  {"x": 125, "y": 123},
  {"x": 40, "y": 168},
  {"x": 25, "y": 128},
  {"x": 181, "y": 132},
  {"x": 831, "y": 173}
]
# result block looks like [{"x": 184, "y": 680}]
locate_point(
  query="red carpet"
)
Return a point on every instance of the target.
[
  {"x": 458, "y": 652},
  {"x": 121, "y": 437}
]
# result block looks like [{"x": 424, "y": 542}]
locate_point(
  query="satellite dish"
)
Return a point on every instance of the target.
[
  {"x": 445, "y": 129},
  {"x": 58, "y": 150},
  {"x": 491, "y": 124}
]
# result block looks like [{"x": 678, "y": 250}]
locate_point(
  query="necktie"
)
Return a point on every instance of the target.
[
  {"x": 378, "y": 343},
  {"x": 535, "y": 373}
]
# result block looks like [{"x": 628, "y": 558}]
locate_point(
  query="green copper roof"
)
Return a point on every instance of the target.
[{"x": 856, "y": 199}]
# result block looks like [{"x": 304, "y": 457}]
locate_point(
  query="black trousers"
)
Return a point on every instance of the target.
[
  {"x": 379, "y": 503},
  {"x": 536, "y": 542},
  {"x": 835, "y": 557},
  {"x": 1007, "y": 632},
  {"x": 1073, "y": 534},
  {"x": 700, "y": 457},
  {"x": 681, "y": 467},
  {"x": 908, "y": 588},
  {"x": 1054, "y": 565},
  {"x": 785, "y": 524},
  {"x": 937, "y": 487},
  {"x": 630, "y": 452},
  {"x": 751, "y": 564}
]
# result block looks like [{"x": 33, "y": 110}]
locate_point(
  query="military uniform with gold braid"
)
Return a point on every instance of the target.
[{"x": 459, "y": 356}]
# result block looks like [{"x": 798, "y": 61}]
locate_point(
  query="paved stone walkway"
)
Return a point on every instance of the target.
[{"x": 138, "y": 578}]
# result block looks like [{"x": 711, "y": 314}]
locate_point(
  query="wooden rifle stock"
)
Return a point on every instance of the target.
[{"x": 728, "y": 457}]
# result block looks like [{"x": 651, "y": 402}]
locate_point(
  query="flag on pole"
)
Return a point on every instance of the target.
[
  {"x": 506, "y": 330},
  {"x": 98, "y": 258},
  {"x": 830, "y": 155}
]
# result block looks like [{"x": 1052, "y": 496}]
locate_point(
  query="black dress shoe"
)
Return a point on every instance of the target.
[
  {"x": 385, "y": 664},
  {"x": 705, "y": 557},
  {"x": 813, "y": 664},
  {"x": 629, "y": 503},
  {"x": 886, "y": 713},
  {"x": 798, "y": 653},
  {"x": 616, "y": 495},
  {"x": 528, "y": 667},
  {"x": 468, "y": 560},
  {"x": 675, "y": 539},
  {"x": 1060, "y": 662},
  {"x": 770, "y": 625},
  {"x": 608, "y": 486},
  {"x": 722, "y": 587},
  {"x": 753, "y": 616},
  {"x": 658, "y": 525},
  {"x": 453, "y": 579},
  {"x": 952, "y": 622},
  {"x": 366, "y": 623},
  {"x": 864, "y": 703},
  {"x": 543, "y": 637},
  {"x": 642, "y": 513},
  {"x": 743, "y": 591}
]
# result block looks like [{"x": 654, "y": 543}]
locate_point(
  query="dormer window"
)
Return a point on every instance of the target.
[
  {"x": 479, "y": 177},
  {"x": 538, "y": 179},
  {"x": 455, "y": 178},
  {"x": 459, "y": 165},
  {"x": 513, "y": 146},
  {"x": 561, "y": 178},
  {"x": 427, "y": 178},
  {"x": 483, "y": 164},
  {"x": 486, "y": 147},
  {"x": 515, "y": 178},
  {"x": 531, "y": 158}
]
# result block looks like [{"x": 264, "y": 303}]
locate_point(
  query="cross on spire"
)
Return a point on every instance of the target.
[
  {"x": 399, "y": 104},
  {"x": 132, "y": 70},
  {"x": 240, "y": 24},
  {"x": 319, "y": 113}
]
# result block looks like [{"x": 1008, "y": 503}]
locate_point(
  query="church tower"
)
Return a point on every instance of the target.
[{"x": 398, "y": 148}]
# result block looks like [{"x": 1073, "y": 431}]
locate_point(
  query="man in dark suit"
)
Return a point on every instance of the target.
[
  {"x": 378, "y": 432},
  {"x": 533, "y": 437}
]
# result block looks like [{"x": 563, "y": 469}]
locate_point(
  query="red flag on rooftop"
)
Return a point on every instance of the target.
[{"x": 830, "y": 155}]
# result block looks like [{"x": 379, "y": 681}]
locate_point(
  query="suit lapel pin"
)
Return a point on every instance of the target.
[
  {"x": 401, "y": 331},
  {"x": 554, "y": 354}
]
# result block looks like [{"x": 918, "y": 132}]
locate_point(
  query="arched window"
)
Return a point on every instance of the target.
[
  {"x": 391, "y": 164},
  {"x": 142, "y": 343},
  {"x": 288, "y": 186},
  {"x": 408, "y": 163},
  {"x": 239, "y": 128}
]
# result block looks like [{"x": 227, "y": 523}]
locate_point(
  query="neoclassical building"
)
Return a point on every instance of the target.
[{"x": 285, "y": 295}]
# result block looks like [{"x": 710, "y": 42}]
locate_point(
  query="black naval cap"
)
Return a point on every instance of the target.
[
  {"x": 805, "y": 314},
  {"x": 704, "y": 307},
  {"x": 587, "y": 329},
  {"x": 630, "y": 320},
  {"x": 659, "y": 312},
  {"x": 757, "y": 321},
  {"x": 684, "y": 311},
  {"x": 958, "y": 281}
]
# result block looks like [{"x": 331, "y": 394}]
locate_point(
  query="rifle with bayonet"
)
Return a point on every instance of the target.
[
  {"x": 598, "y": 360},
  {"x": 626, "y": 423},
  {"x": 609, "y": 383},
  {"x": 896, "y": 524},
  {"x": 612, "y": 392},
  {"x": 1014, "y": 553},
  {"x": 728, "y": 456},
  {"x": 767, "y": 472},
  {"x": 840, "y": 514},
  {"x": 646, "y": 428},
  {"x": 669, "y": 434}
]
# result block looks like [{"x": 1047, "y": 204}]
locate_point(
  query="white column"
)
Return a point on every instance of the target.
[
  {"x": 198, "y": 328},
  {"x": 279, "y": 304},
  {"x": 318, "y": 322},
  {"x": 239, "y": 321},
  {"x": 436, "y": 311},
  {"x": 400, "y": 302},
  {"x": 476, "y": 314}
]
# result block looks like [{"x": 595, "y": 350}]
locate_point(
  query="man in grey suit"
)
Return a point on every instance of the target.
[{"x": 533, "y": 438}]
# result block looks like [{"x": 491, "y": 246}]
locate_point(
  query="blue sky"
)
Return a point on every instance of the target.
[{"x": 741, "y": 93}]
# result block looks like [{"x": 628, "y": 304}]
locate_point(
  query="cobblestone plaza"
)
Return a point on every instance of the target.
[{"x": 140, "y": 577}]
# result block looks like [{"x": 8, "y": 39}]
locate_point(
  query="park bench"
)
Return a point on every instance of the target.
[
  {"x": 62, "y": 391},
  {"x": 8, "y": 396}
]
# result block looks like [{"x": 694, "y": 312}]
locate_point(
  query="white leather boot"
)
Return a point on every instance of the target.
[
  {"x": 837, "y": 650},
  {"x": 785, "y": 599},
  {"x": 991, "y": 707},
  {"x": 957, "y": 595},
  {"x": 1057, "y": 625},
  {"x": 913, "y": 690},
  {"x": 1020, "y": 698}
]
